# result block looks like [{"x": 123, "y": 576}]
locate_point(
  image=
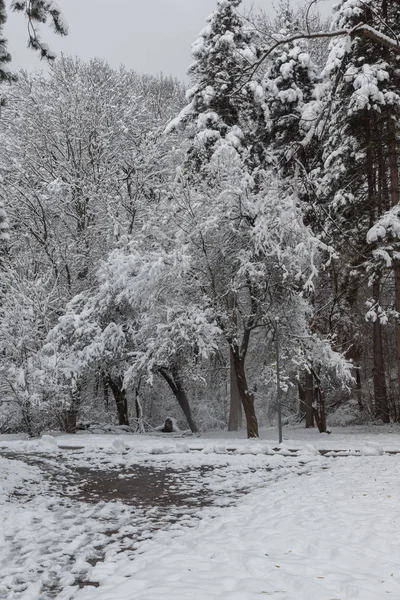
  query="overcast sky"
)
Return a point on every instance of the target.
[{"x": 149, "y": 36}]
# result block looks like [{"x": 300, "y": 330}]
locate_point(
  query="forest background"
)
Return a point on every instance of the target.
[{"x": 151, "y": 262}]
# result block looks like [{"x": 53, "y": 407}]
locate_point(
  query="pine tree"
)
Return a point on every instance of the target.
[
  {"x": 222, "y": 108},
  {"x": 360, "y": 157},
  {"x": 288, "y": 88},
  {"x": 5, "y": 56}
]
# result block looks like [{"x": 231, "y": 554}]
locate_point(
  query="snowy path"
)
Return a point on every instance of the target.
[{"x": 63, "y": 512}]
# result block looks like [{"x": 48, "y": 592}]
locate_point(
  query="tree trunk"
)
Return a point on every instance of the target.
[
  {"x": 105, "y": 389},
  {"x": 321, "y": 410},
  {"x": 359, "y": 389},
  {"x": 175, "y": 383},
  {"x": 70, "y": 421},
  {"x": 246, "y": 396},
  {"x": 319, "y": 404},
  {"x": 380, "y": 394},
  {"x": 119, "y": 394},
  {"x": 71, "y": 413},
  {"x": 302, "y": 400},
  {"x": 394, "y": 201},
  {"x": 235, "y": 412},
  {"x": 376, "y": 200}
]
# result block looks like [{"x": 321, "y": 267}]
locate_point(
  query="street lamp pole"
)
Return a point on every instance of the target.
[{"x": 278, "y": 381}]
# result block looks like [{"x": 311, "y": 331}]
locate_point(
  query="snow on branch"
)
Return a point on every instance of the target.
[
  {"x": 37, "y": 11},
  {"x": 361, "y": 29},
  {"x": 387, "y": 227}
]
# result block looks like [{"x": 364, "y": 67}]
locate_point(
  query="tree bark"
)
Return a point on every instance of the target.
[
  {"x": 380, "y": 393},
  {"x": 116, "y": 385},
  {"x": 105, "y": 389},
  {"x": 235, "y": 411},
  {"x": 71, "y": 413},
  {"x": 321, "y": 410},
  {"x": 394, "y": 201},
  {"x": 359, "y": 389},
  {"x": 247, "y": 398},
  {"x": 376, "y": 166},
  {"x": 319, "y": 404},
  {"x": 175, "y": 383}
]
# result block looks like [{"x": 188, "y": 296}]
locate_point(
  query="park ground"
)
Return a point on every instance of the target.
[{"x": 127, "y": 517}]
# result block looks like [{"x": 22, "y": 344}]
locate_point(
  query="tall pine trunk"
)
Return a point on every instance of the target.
[
  {"x": 394, "y": 201},
  {"x": 376, "y": 188},
  {"x": 380, "y": 393}
]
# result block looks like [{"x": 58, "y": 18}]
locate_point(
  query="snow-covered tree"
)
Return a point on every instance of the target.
[
  {"x": 254, "y": 258},
  {"x": 27, "y": 312},
  {"x": 221, "y": 107},
  {"x": 289, "y": 85},
  {"x": 83, "y": 160},
  {"x": 136, "y": 322},
  {"x": 360, "y": 148}
]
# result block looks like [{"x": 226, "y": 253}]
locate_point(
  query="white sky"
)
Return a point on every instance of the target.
[{"x": 149, "y": 36}]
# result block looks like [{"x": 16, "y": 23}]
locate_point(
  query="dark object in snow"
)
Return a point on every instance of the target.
[{"x": 170, "y": 426}]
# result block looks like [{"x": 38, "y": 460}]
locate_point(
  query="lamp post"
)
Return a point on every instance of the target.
[{"x": 278, "y": 381}]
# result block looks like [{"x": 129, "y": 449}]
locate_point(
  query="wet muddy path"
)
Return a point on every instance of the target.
[
  {"x": 116, "y": 508},
  {"x": 86, "y": 505},
  {"x": 141, "y": 486}
]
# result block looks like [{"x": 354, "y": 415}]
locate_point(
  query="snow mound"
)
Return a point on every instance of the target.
[
  {"x": 118, "y": 445},
  {"x": 371, "y": 449}
]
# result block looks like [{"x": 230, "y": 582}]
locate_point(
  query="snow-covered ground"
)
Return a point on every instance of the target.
[
  {"x": 236, "y": 520},
  {"x": 340, "y": 438},
  {"x": 331, "y": 535}
]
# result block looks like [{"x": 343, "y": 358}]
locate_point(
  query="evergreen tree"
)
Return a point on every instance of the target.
[
  {"x": 358, "y": 183},
  {"x": 222, "y": 108},
  {"x": 5, "y": 56},
  {"x": 288, "y": 88}
]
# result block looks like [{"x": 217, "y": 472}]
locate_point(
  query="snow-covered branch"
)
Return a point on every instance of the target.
[{"x": 360, "y": 30}]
